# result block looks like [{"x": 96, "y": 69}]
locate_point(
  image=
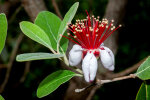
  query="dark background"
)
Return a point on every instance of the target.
[{"x": 133, "y": 46}]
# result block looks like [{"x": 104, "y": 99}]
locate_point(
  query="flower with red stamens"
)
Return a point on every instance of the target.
[{"x": 88, "y": 36}]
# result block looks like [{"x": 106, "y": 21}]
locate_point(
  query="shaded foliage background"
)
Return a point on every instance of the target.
[{"x": 133, "y": 46}]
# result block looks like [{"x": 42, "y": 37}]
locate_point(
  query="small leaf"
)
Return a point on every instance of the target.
[
  {"x": 67, "y": 19},
  {"x": 50, "y": 23},
  {"x": 144, "y": 92},
  {"x": 35, "y": 33},
  {"x": 53, "y": 81},
  {"x": 3, "y": 31},
  {"x": 144, "y": 70},
  {"x": 37, "y": 56}
]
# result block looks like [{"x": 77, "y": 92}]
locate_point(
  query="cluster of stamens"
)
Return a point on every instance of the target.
[{"x": 90, "y": 33}]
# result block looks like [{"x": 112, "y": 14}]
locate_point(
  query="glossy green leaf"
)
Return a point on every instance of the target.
[
  {"x": 53, "y": 81},
  {"x": 35, "y": 33},
  {"x": 37, "y": 56},
  {"x": 143, "y": 71},
  {"x": 50, "y": 23},
  {"x": 1, "y": 98},
  {"x": 3, "y": 31},
  {"x": 67, "y": 19},
  {"x": 144, "y": 92}
]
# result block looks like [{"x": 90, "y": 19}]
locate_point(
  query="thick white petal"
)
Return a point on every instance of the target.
[
  {"x": 75, "y": 55},
  {"x": 89, "y": 67},
  {"x": 107, "y": 58},
  {"x": 93, "y": 68},
  {"x": 110, "y": 53}
]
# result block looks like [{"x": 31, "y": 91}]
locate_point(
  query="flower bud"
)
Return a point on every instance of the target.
[
  {"x": 75, "y": 55},
  {"x": 107, "y": 58},
  {"x": 89, "y": 67}
]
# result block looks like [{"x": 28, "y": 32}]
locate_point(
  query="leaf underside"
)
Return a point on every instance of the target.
[
  {"x": 37, "y": 56},
  {"x": 143, "y": 71}
]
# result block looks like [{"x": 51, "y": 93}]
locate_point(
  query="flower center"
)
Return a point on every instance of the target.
[{"x": 94, "y": 51}]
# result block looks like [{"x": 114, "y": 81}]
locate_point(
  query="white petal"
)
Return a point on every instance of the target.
[
  {"x": 75, "y": 55},
  {"x": 110, "y": 53},
  {"x": 93, "y": 68},
  {"x": 89, "y": 67},
  {"x": 107, "y": 58}
]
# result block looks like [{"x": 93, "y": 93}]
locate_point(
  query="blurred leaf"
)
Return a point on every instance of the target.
[
  {"x": 143, "y": 71},
  {"x": 3, "y": 31},
  {"x": 50, "y": 23},
  {"x": 35, "y": 33},
  {"x": 53, "y": 81},
  {"x": 67, "y": 19},
  {"x": 144, "y": 92},
  {"x": 1, "y": 98},
  {"x": 37, "y": 56}
]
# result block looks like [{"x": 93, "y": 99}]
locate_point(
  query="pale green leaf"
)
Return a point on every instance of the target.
[
  {"x": 3, "y": 31},
  {"x": 50, "y": 23},
  {"x": 1, "y": 98},
  {"x": 143, "y": 71},
  {"x": 35, "y": 33},
  {"x": 144, "y": 92},
  {"x": 53, "y": 81},
  {"x": 67, "y": 19},
  {"x": 37, "y": 56}
]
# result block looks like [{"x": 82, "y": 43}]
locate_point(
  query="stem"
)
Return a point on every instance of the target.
[{"x": 100, "y": 82}]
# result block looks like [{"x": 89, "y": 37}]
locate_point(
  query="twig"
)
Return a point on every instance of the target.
[
  {"x": 14, "y": 14},
  {"x": 9, "y": 65},
  {"x": 56, "y": 9},
  {"x": 26, "y": 70},
  {"x": 101, "y": 82}
]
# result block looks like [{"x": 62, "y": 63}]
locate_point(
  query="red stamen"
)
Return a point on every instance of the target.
[{"x": 91, "y": 36}]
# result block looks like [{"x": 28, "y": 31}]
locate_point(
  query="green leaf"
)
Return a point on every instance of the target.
[
  {"x": 53, "y": 81},
  {"x": 37, "y": 56},
  {"x": 67, "y": 19},
  {"x": 64, "y": 44},
  {"x": 1, "y": 98},
  {"x": 144, "y": 92},
  {"x": 143, "y": 71},
  {"x": 50, "y": 23},
  {"x": 3, "y": 31},
  {"x": 35, "y": 33}
]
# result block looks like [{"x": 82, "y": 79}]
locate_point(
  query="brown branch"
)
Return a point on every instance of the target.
[
  {"x": 101, "y": 82},
  {"x": 92, "y": 92},
  {"x": 56, "y": 9},
  {"x": 9, "y": 65},
  {"x": 26, "y": 70},
  {"x": 127, "y": 71},
  {"x": 33, "y": 7},
  {"x": 3, "y": 66}
]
